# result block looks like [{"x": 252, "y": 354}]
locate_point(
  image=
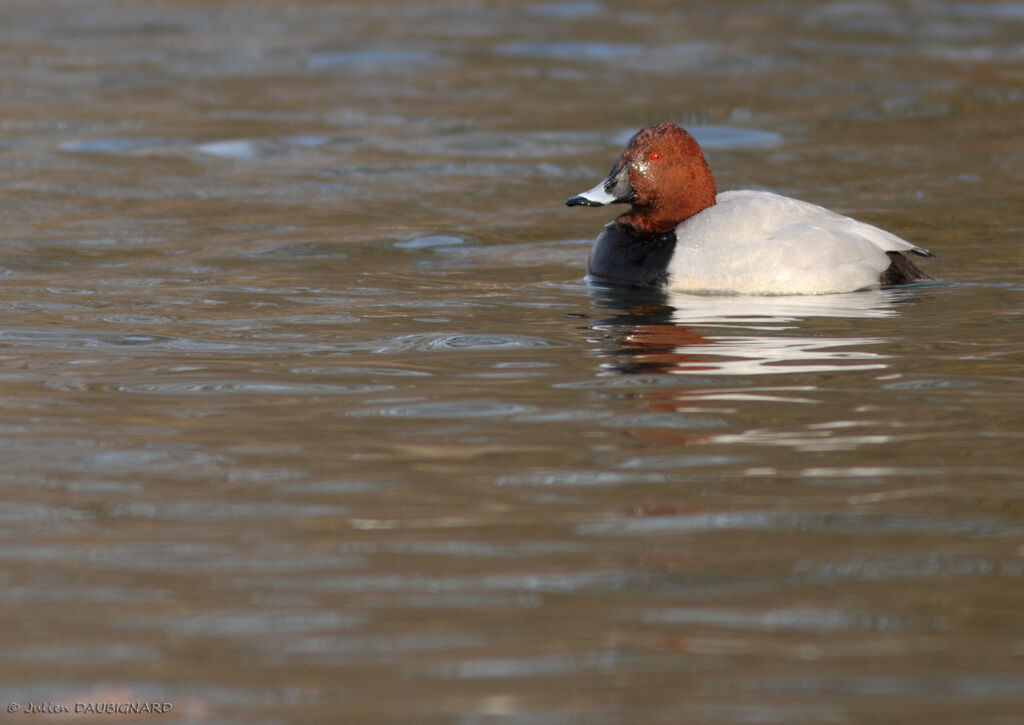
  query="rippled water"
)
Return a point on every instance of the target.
[{"x": 308, "y": 415}]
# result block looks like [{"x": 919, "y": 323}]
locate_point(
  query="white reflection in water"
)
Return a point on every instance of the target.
[
  {"x": 751, "y": 355},
  {"x": 819, "y": 440},
  {"x": 740, "y": 309},
  {"x": 773, "y": 354},
  {"x": 695, "y": 335}
]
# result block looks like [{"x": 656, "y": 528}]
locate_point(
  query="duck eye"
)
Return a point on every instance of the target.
[{"x": 655, "y": 156}]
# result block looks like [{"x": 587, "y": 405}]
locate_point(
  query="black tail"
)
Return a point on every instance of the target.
[{"x": 901, "y": 271}]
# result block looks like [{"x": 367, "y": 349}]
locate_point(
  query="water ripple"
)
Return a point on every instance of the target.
[
  {"x": 579, "y": 478},
  {"x": 546, "y": 666},
  {"x": 805, "y": 620},
  {"x": 431, "y": 342},
  {"x": 75, "y": 339},
  {"x": 236, "y": 387},
  {"x": 222, "y": 510},
  {"x": 776, "y": 521},
  {"x": 450, "y": 409},
  {"x": 906, "y": 567},
  {"x": 437, "y": 240},
  {"x": 361, "y": 371},
  {"x": 573, "y": 50},
  {"x": 675, "y": 421},
  {"x": 242, "y": 623},
  {"x": 670, "y": 462},
  {"x": 115, "y": 145},
  {"x": 390, "y": 646},
  {"x": 93, "y": 653},
  {"x": 371, "y": 59},
  {"x": 560, "y": 582}
]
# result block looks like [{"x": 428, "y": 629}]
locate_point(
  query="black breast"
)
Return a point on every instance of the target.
[{"x": 618, "y": 256}]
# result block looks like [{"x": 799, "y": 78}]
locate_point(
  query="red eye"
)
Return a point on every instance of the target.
[{"x": 655, "y": 156}]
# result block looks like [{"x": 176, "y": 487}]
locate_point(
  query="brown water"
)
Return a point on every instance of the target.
[{"x": 308, "y": 416}]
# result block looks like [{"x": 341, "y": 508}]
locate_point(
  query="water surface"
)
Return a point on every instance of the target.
[{"x": 308, "y": 415}]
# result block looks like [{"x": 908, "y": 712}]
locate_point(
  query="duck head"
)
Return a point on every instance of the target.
[{"x": 662, "y": 175}]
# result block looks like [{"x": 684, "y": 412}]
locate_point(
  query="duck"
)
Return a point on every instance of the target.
[{"x": 681, "y": 234}]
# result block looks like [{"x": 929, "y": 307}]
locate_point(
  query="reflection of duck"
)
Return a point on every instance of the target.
[
  {"x": 656, "y": 347},
  {"x": 715, "y": 335},
  {"x": 681, "y": 235}
]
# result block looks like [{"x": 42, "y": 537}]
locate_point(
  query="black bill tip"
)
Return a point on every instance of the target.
[{"x": 580, "y": 200}]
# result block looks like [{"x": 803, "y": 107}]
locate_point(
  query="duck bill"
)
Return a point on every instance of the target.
[{"x": 615, "y": 189}]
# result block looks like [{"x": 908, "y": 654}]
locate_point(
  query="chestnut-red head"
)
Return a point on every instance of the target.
[{"x": 662, "y": 174}]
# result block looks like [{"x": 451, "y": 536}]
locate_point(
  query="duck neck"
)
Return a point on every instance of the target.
[
  {"x": 642, "y": 224},
  {"x": 654, "y": 215},
  {"x": 646, "y": 222}
]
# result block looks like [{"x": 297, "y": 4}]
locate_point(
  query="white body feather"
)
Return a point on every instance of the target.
[{"x": 757, "y": 242}]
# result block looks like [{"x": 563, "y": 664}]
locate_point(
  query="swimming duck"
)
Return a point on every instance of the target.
[{"x": 682, "y": 235}]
